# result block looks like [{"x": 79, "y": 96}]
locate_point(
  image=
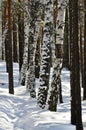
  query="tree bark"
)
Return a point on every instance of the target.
[
  {"x": 76, "y": 118},
  {"x": 45, "y": 54},
  {"x": 26, "y": 44},
  {"x": 10, "y": 65},
  {"x": 15, "y": 45},
  {"x": 84, "y": 86},
  {"x": 33, "y": 36},
  {"x": 21, "y": 37}
]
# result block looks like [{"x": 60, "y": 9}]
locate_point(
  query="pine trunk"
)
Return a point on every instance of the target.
[
  {"x": 66, "y": 43},
  {"x": 10, "y": 63},
  {"x": 26, "y": 44},
  {"x": 72, "y": 72},
  {"x": 76, "y": 118},
  {"x": 5, "y": 49},
  {"x": 15, "y": 53},
  {"x": 84, "y": 86},
  {"x": 21, "y": 37}
]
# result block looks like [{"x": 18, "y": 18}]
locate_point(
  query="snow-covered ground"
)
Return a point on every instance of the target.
[{"x": 20, "y": 112}]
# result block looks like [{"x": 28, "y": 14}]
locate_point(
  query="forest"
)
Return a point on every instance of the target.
[{"x": 43, "y": 64}]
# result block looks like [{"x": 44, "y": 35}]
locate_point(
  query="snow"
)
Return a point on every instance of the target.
[{"x": 20, "y": 112}]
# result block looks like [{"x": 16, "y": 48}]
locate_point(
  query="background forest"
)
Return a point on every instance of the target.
[{"x": 44, "y": 37}]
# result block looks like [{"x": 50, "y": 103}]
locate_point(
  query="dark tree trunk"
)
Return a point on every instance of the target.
[
  {"x": 6, "y": 39},
  {"x": 7, "y": 52},
  {"x": 37, "y": 58},
  {"x": 72, "y": 72},
  {"x": 81, "y": 58},
  {"x": 76, "y": 90},
  {"x": 15, "y": 55},
  {"x": 21, "y": 37},
  {"x": 77, "y": 67},
  {"x": 66, "y": 43},
  {"x": 10, "y": 70},
  {"x": 84, "y": 86},
  {"x": 60, "y": 91}
]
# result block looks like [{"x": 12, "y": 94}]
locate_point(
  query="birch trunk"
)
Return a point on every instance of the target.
[
  {"x": 45, "y": 54},
  {"x": 57, "y": 58},
  {"x": 33, "y": 36}
]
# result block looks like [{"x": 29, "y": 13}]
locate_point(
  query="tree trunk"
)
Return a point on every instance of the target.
[
  {"x": 26, "y": 44},
  {"x": 15, "y": 46},
  {"x": 77, "y": 67},
  {"x": 45, "y": 54},
  {"x": 76, "y": 90},
  {"x": 66, "y": 43},
  {"x": 3, "y": 35},
  {"x": 72, "y": 72},
  {"x": 39, "y": 44},
  {"x": 20, "y": 37},
  {"x": 81, "y": 58},
  {"x": 33, "y": 36},
  {"x": 10, "y": 70},
  {"x": 5, "y": 49},
  {"x": 84, "y": 86}
]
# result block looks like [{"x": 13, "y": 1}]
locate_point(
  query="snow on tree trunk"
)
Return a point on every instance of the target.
[
  {"x": 57, "y": 55},
  {"x": 26, "y": 44},
  {"x": 54, "y": 88},
  {"x": 33, "y": 36},
  {"x": 45, "y": 54}
]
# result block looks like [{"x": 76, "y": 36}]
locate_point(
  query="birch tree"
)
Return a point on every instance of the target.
[
  {"x": 57, "y": 57},
  {"x": 45, "y": 54},
  {"x": 33, "y": 36}
]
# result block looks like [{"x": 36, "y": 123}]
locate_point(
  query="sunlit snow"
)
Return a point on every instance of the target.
[{"x": 20, "y": 112}]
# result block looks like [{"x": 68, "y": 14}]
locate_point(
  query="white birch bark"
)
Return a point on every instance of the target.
[
  {"x": 57, "y": 61},
  {"x": 45, "y": 54},
  {"x": 61, "y": 20},
  {"x": 35, "y": 18}
]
